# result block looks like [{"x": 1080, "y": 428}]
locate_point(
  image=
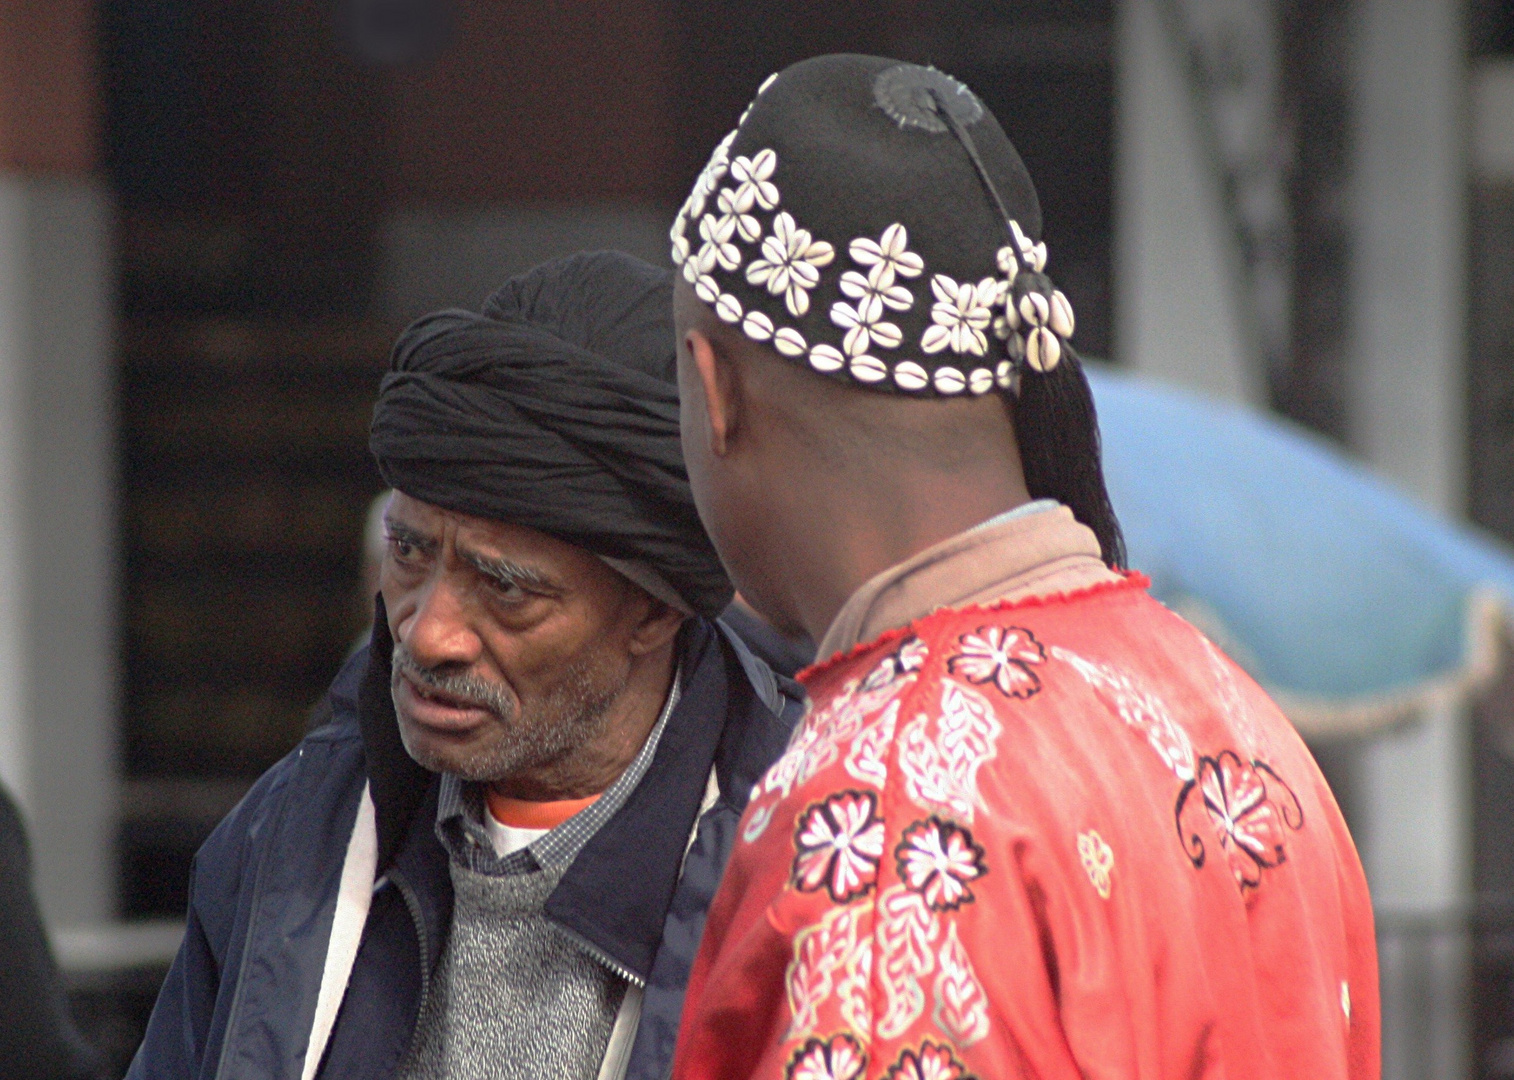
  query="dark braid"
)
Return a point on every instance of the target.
[{"x": 1058, "y": 432}]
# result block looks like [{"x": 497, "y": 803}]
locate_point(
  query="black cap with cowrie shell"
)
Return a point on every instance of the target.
[{"x": 871, "y": 220}]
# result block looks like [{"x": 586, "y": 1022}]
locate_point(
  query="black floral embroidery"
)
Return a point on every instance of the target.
[
  {"x": 1001, "y": 655},
  {"x": 838, "y": 1058},
  {"x": 907, "y": 658},
  {"x": 838, "y": 845},
  {"x": 1248, "y": 805},
  {"x": 933, "y": 1061},
  {"x": 938, "y": 859}
]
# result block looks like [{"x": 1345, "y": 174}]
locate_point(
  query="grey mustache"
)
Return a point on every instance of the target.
[{"x": 469, "y": 689}]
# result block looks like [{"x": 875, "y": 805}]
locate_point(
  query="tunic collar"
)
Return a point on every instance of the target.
[{"x": 1036, "y": 550}]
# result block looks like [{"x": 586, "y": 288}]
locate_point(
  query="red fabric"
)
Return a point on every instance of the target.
[{"x": 1062, "y": 838}]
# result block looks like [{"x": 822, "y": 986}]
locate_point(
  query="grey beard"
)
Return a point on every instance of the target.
[{"x": 573, "y": 713}]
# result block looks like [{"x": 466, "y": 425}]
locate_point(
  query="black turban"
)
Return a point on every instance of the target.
[{"x": 557, "y": 409}]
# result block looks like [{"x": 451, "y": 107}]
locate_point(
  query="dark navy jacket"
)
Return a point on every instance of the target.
[{"x": 240, "y": 999}]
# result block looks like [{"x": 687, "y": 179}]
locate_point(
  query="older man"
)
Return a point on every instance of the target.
[
  {"x": 1036, "y": 825},
  {"x": 496, "y": 859}
]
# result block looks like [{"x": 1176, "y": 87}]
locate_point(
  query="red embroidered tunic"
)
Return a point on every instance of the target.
[{"x": 1054, "y": 838}]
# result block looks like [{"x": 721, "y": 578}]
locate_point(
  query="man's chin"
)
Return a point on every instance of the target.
[{"x": 448, "y": 751}]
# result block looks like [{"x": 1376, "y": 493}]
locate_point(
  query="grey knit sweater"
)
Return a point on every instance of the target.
[{"x": 514, "y": 995}]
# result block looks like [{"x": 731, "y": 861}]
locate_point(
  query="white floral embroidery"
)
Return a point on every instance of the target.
[
  {"x": 906, "y": 930},
  {"x": 717, "y": 249},
  {"x": 941, "y": 769},
  {"x": 754, "y": 181},
  {"x": 961, "y": 1004},
  {"x": 790, "y": 263},
  {"x": 1139, "y": 708},
  {"x": 960, "y": 315},
  {"x": 867, "y": 760},
  {"x": 1098, "y": 861},
  {"x": 888, "y": 256},
  {"x": 838, "y": 949}
]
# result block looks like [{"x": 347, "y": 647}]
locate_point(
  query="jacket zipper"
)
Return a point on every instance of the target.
[
  {"x": 413, "y": 906},
  {"x": 615, "y": 966}
]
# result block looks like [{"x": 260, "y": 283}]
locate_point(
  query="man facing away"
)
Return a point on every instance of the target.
[
  {"x": 496, "y": 859},
  {"x": 1034, "y": 824}
]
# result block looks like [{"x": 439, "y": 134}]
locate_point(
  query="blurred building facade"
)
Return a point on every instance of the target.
[{"x": 214, "y": 217}]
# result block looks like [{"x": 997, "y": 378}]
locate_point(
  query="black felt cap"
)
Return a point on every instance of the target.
[{"x": 846, "y": 224}]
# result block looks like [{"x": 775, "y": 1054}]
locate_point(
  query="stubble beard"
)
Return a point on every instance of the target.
[{"x": 573, "y": 713}]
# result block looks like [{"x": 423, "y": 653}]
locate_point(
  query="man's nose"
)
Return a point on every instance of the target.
[{"x": 439, "y": 632}]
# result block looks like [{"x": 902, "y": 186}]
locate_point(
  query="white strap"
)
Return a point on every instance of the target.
[
  {"x": 628, "y": 1019},
  {"x": 352, "y": 900},
  {"x": 622, "y": 1036}
]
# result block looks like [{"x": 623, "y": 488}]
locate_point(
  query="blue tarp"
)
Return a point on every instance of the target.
[{"x": 1325, "y": 581}]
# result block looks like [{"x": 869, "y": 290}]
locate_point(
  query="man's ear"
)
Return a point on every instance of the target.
[
  {"x": 717, "y": 379},
  {"x": 657, "y": 626}
]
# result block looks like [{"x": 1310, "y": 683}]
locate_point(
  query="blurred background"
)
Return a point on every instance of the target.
[{"x": 215, "y": 216}]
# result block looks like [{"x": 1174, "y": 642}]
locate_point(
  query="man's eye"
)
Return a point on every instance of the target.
[
  {"x": 403, "y": 549},
  {"x": 507, "y": 590}
]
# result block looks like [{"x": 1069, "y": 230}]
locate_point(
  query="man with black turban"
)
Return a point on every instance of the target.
[{"x": 496, "y": 859}]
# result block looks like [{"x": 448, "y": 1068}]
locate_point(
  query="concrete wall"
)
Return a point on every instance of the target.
[
  {"x": 58, "y": 669},
  {"x": 1407, "y": 417},
  {"x": 1177, "y": 306},
  {"x": 58, "y": 707}
]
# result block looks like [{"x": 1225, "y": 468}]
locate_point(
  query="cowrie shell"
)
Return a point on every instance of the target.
[
  {"x": 757, "y": 326},
  {"x": 911, "y": 376},
  {"x": 949, "y": 380},
  {"x": 826, "y": 358},
  {"x": 1042, "y": 350},
  {"x": 1034, "y": 308},
  {"x": 1061, "y": 321},
  {"x": 868, "y": 369},
  {"x": 789, "y": 342}
]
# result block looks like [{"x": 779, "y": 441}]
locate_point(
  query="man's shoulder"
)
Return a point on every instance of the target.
[{"x": 325, "y": 766}]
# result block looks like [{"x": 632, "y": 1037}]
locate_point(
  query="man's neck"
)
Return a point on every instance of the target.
[{"x": 852, "y": 533}]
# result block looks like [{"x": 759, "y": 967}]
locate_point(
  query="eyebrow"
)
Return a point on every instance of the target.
[
  {"x": 398, "y": 530},
  {"x": 507, "y": 572}
]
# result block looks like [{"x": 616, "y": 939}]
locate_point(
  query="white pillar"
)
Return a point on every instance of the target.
[
  {"x": 1177, "y": 261},
  {"x": 58, "y": 668},
  {"x": 1408, "y": 303}
]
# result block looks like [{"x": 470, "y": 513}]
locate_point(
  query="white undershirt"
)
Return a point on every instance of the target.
[{"x": 507, "y": 839}]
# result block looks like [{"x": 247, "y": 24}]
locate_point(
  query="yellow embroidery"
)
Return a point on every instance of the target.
[{"x": 1098, "y": 860}]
